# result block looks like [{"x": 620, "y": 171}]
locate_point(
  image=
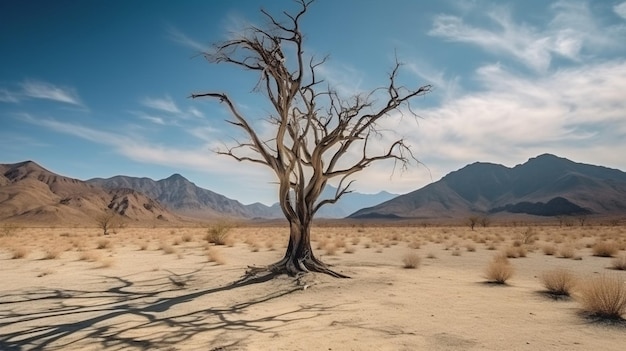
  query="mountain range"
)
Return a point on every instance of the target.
[
  {"x": 184, "y": 197},
  {"x": 30, "y": 193},
  {"x": 546, "y": 185}
]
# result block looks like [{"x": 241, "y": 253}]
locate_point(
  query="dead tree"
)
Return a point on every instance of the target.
[{"x": 316, "y": 132}]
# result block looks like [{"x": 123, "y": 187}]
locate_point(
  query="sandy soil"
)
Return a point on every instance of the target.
[{"x": 156, "y": 289}]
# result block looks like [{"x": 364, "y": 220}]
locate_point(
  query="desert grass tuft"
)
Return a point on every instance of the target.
[
  {"x": 218, "y": 234},
  {"x": 167, "y": 248},
  {"x": 499, "y": 270},
  {"x": 103, "y": 244},
  {"x": 558, "y": 282},
  {"x": 52, "y": 253},
  {"x": 89, "y": 256},
  {"x": 411, "y": 260},
  {"x": 604, "y": 249},
  {"x": 19, "y": 252},
  {"x": 603, "y": 296},
  {"x": 549, "y": 249},
  {"x": 215, "y": 255},
  {"x": 619, "y": 262}
]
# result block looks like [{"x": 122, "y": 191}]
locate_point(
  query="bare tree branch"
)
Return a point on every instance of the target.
[{"x": 317, "y": 132}]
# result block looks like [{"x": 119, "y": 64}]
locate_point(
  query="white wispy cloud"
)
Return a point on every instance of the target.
[
  {"x": 179, "y": 37},
  {"x": 620, "y": 10},
  {"x": 8, "y": 96},
  {"x": 43, "y": 90},
  {"x": 572, "y": 29},
  {"x": 165, "y": 104}
]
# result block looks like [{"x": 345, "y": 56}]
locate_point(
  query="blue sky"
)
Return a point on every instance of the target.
[{"x": 100, "y": 88}]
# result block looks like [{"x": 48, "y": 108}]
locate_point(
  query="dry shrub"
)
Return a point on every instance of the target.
[
  {"x": 330, "y": 250},
  {"x": 187, "y": 237},
  {"x": 470, "y": 247},
  {"x": 103, "y": 244},
  {"x": 52, "y": 253},
  {"x": 19, "y": 252},
  {"x": 143, "y": 246},
  {"x": 106, "y": 263},
  {"x": 431, "y": 255},
  {"x": 456, "y": 252},
  {"x": 349, "y": 249},
  {"x": 567, "y": 251},
  {"x": 559, "y": 281},
  {"x": 167, "y": 248},
  {"x": 356, "y": 240},
  {"x": 603, "y": 296},
  {"x": 411, "y": 260},
  {"x": 218, "y": 234},
  {"x": 215, "y": 255},
  {"x": 499, "y": 270},
  {"x": 414, "y": 245},
  {"x": 549, "y": 249},
  {"x": 604, "y": 249},
  {"x": 89, "y": 256},
  {"x": 515, "y": 251},
  {"x": 619, "y": 262}
]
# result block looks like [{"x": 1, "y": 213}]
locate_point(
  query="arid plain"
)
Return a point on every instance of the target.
[{"x": 171, "y": 289}]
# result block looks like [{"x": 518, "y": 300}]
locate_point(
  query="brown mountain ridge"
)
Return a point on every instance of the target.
[{"x": 30, "y": 193}]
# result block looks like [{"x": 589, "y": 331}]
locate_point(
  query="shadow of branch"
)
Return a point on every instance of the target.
[{"x": 137, "y": 314}]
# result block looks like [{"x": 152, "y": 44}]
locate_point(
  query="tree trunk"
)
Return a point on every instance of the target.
[{"x": 299, "y": 257}]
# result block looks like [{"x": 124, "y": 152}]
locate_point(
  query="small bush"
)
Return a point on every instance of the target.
[
  {"x": 103, "y": 244},
  {"x": 89, "y": 256},
  {"x": 619, "y": 262},
  {"x": 411, "y": 260},
  {"x": 603, "y": 296},
  {"x": 52, "y": 253},
  {"x": 549, "y": 249},
  {"x": 167, "y": 248},
  {"x": 499, "y": 270},
  {"x": 567, "y": 251},
  {"x": 558, "y": 281},
  {"x": 19, "y": 252},
  {"x": 604, "y": 249},
  {"x": 214, "y": 255},
  {"x": 218, "y": 234}
]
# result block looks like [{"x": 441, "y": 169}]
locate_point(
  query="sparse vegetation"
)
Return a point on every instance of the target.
[
  {"x": 215, "y": 255},
  {"x": 604, "y": 249},
  {"x": 411, "y": 260},
  {"x": 218, "y": 233},
  {"x": 499, "y": 270},
  {"x": 103, "y": 244},
  {"x": 619, "y": 262},
  {"x": 603, "y": 296},
  {"x": 558, "y": 282}
]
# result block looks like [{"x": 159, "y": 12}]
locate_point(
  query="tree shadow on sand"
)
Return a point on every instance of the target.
[{"x": 155, "y": 314}]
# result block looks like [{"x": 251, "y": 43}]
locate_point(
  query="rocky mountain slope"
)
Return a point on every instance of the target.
[{"x": 546, "y": 185}]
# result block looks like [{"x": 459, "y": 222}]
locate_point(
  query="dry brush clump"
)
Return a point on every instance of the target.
[
  {"x": 218, "y": 234},
  {"x": 619, "y": 262},
  {"x": 411, "y": 260},
  {"x": 604, "y": 249},
  {"x": 215, "y": 255},
  {"x": 499, "y": 270},
  {"x": 559, "y": 282},
  {"x": 603, "y": 296},
  {"x": 19, "y": 252}
]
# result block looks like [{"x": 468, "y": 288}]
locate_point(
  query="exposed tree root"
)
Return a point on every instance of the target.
[{"x": 295, "y": 268}]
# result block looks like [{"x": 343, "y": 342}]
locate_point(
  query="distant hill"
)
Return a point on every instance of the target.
[
  {"x": 184, "y": 197},
  {"x": 31, "y": 193},
  {"x": 546, "y": 185}
]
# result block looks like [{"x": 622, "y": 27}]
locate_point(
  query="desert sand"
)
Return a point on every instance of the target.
[{"x": 169, "y": 289}]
